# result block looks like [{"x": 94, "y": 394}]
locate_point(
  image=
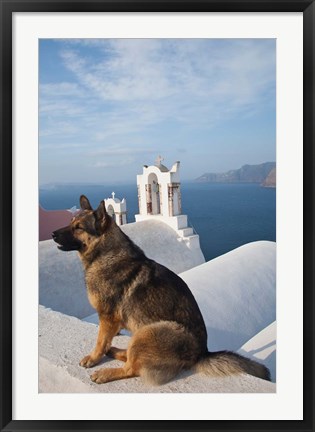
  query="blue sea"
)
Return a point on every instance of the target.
[{"x": 225, "y": 216}]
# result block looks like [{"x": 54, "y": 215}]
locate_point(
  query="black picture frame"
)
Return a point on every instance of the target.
[{"x": 8, "y": 7}]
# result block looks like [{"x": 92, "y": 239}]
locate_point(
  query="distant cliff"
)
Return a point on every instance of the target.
[
  {"x": 264, "y": 174},
  {"x": 270, "y": 180}
]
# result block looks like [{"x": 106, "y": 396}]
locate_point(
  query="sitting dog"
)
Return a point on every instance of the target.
[{"x": 131, "y": 291}]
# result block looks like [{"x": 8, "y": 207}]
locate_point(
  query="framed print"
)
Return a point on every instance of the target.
[{"x": 184, "y": 132}]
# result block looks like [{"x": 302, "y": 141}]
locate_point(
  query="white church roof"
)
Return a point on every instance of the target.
[
  {"x": 162, "y": 168},
  {"x": 161, "y": 243},
  {"x": 155, "y": 238}
]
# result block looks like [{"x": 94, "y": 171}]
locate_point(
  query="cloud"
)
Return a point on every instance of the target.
[
  {"x": 113, "y": 164},
  {"x": 174, "y": 79},
  {"x": 121, "y": 98},
  {"x": 121, "y": 151},
  {"x": 59, "y": 128},
  {"x": 64, "y": 89},
  {"x": 128, "y": 70},
  {"x": 149, "y": 69},
  {"x": 63, "y": 146}
]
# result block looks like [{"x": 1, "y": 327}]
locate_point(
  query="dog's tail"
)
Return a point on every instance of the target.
[{"x": 222, "y": 363}]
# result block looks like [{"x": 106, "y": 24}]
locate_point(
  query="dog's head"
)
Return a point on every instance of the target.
[{"x": 84, "y": 228}]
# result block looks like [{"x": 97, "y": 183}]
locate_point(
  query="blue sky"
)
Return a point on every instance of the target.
[{"x": 109, "y": 106}]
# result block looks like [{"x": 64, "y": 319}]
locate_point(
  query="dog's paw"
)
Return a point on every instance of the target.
[
  {"x": 100, "y": 376},
  {"x": 89, "y": 361}
]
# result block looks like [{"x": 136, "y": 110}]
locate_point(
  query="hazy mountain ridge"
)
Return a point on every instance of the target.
[
  {"x": 270, "y": 180},
  {"x": 264, "y": 174}
]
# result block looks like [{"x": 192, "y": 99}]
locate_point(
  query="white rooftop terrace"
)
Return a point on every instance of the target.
[{"x": 235, "y": 292}]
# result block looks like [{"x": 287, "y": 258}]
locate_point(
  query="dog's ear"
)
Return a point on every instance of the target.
[
  {"x": 85, "y": 203},
  {"x": 102, "y": 217}
]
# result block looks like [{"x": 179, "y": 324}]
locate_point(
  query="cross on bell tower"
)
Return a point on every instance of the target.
[{"x": 158, "y": 160}]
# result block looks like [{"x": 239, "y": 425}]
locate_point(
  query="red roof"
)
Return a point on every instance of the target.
[{"x": 51, "y": 220}]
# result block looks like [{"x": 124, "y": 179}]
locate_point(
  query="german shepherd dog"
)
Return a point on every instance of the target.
[{"x": 133, "y": 292}]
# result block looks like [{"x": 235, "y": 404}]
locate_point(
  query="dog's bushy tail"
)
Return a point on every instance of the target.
[{"x": 223, "y": 363}]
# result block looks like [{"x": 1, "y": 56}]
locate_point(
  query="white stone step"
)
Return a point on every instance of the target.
[
  {"x": 192, "y": 241},
  {"x": 185, "y": 232}
]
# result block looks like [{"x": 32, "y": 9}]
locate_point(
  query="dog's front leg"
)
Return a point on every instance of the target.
[{"x": 108, "y": 328}]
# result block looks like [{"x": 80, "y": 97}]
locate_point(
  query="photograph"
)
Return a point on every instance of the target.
[{"x": 157, "y": 215}]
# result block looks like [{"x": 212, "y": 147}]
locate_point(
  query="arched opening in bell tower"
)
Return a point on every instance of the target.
[
  {"x": 153, "y": 195},
  {"x": 111, "y": 212}
]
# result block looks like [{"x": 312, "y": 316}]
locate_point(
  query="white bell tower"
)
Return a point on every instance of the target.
[
  {"x": 159, "y": 190},
  {"x": 117, "y": 209},
  {"x": 159, "y": 197}
]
